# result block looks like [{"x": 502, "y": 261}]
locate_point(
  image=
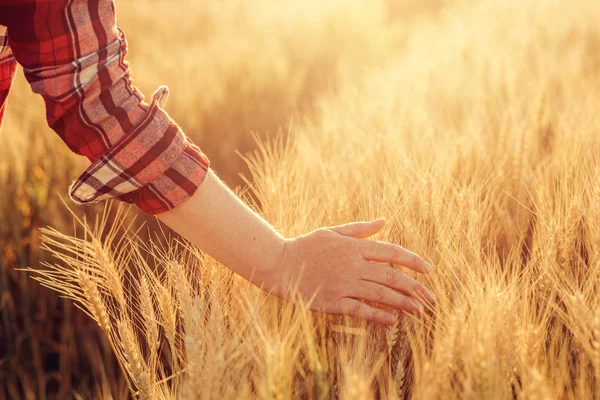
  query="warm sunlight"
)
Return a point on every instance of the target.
[{"x": 472, "y": 127}]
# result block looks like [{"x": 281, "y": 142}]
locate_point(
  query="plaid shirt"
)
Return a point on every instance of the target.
[{"x": 73, "y": 55}]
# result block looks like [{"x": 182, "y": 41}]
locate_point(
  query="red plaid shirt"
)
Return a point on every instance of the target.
[{"x": 73, "y": 54}]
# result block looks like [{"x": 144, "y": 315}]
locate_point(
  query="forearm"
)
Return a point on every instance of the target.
[{"x": 222, "y": 225}]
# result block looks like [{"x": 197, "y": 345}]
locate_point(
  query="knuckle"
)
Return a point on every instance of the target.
[
  {"x": 323, "y": 232},
  {"x": 355, "y": 308},
  {"x": 380, "y": 292},
  {"x": 390, "y": 276}
]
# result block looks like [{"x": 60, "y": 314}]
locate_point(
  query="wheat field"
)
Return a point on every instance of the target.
[{"x": 471, "y": 126}]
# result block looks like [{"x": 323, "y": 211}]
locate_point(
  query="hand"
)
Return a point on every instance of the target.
[{"x": 345, "y": 268}]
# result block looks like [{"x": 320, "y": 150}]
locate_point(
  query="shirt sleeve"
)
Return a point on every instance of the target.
[
  {"x": 73, "y": 55},
  {"x": 8, "y": 66}
]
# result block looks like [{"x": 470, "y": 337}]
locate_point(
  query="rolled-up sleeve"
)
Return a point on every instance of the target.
[
  {"x": 7, "y": 71},
  {"x": 74, "y": 56}
]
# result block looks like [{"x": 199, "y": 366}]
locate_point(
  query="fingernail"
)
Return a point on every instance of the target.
[
  {"x": 418, "y": 307},
  {"x": 427, "y": 294},
  {"x": 428, "y": 267},
  {"x": 431, "y": 295}
]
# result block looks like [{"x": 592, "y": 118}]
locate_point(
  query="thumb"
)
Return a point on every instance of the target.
[{"x": 359, "y": 229}]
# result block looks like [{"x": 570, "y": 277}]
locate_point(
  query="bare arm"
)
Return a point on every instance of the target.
[
  {"x": 335, "y": 260},
  {"x": 222, "y": 225}
]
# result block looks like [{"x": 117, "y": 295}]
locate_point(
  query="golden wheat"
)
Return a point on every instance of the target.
[{"x": 474, "y": 130}]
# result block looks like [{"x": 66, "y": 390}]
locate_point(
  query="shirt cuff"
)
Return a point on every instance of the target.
[{"x": 155, "y": 167}]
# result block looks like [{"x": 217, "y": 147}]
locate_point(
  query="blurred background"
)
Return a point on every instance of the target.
[{"x": 240, "y": 69}]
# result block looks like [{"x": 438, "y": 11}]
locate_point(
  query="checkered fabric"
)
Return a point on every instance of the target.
[
  {"x": 73, "y": 55},
  {"x": 8, "y": 65}
]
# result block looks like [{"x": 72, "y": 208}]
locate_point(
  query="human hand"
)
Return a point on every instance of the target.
[{"x": 345, "y": 268}]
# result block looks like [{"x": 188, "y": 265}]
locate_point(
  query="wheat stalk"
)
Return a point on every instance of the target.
[
  {"x": 135, "y": 363},
  {"x": 148, "y": 316},
  {"x": 391, "y": 335},
  {"x": 595, "y": 342},
  {"x": 97, "y": 307},
  {"x": 169, "y": 320},
  {"x": 399, "y": 377}
]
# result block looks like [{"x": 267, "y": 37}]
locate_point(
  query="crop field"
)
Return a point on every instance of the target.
[{"x": 473, "y": 127}]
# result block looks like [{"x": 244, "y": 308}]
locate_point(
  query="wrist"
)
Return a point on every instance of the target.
[
  {"x": 282, "y": 267},
  {"x": 268, "y": 269}
]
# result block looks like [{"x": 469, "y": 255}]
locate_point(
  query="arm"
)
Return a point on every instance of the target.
[
  {"x": 222, "y": 225},
  {"x": 337, "y": 260},
  {"x": 140, "y": 155}
]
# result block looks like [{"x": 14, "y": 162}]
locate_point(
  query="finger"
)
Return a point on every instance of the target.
[
  {"x": 374, "y": 250},
  {"x": 349, "y": 306},
  {"x": 388, "y": 276},
  {"x": 384, "y": 295},
  {"x": 359, "y": 229}
]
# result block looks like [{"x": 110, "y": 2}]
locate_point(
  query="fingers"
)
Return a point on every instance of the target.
[
  {"x": 384, "y": 295},
  {"x": 388, "y": 276},
  {"x": 359, "y": 229},
  {"x": 361, "y": 310},
  {"x": 374, "y": 250}
]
